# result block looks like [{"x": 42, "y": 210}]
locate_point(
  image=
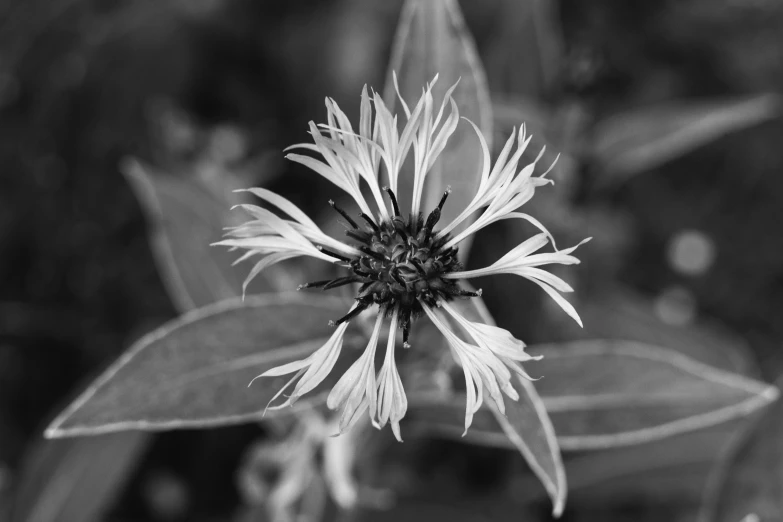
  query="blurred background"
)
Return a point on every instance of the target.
[{"x": 686, "y": 218}]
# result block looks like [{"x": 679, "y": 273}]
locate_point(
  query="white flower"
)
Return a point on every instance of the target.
[{"x": 405, "y": 267}]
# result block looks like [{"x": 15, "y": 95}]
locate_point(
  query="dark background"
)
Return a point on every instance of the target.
[{"x": 85, "y": 83}]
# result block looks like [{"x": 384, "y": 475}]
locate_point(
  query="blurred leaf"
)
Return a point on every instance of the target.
[
  {"x": 618, "y": 313},
  {"x": 751, "y": 481},
  {"x": 639, "y": 140},
  {"x": 184, "y": 219},
  {"x": 76, "y": 479},
  {"x": 432, "y": 39},
  {"x": 676, "y": 467},
  {"x": 604, "y": 394},
  {"x": 526, "y": 425},
  {"x": 425, "y": 506},
  {"x": 524, "y": 53},
  {"x": 194, "y": 371},
  {"x": 511, "y": 111}
]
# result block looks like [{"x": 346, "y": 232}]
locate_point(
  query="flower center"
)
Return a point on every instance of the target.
[{"x": 401, "y": 266}]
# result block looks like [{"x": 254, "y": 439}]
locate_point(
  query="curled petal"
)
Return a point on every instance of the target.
[
  {"x": 356, "y": 389},
  {"x": 312, "y": 370},
  {"x": 392, "y": 402}
]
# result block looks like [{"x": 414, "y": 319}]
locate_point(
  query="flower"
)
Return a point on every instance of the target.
[{"x": 405, "y": 267}]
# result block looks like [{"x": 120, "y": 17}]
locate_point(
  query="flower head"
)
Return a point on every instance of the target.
[{"x": 404, "y": 265}]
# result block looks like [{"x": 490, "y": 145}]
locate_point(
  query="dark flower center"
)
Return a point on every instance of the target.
[{"x": 402, "y": 264}]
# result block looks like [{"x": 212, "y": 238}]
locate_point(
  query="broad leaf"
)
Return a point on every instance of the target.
[
  {"x": 526, "y": 425},
  {"x": 619, "y": 313},
  {"x": 637, "y": 141},
  {"x": 751, "y": 481},
  {"x": 195, "y": 370},
  {"x": 184, "y": 219},
  {"x": 604, "y": 394},
  {"x": 675, "y": 468},
  {"x": 76, "y": 479},
  {"x": 432, "y": 39}
]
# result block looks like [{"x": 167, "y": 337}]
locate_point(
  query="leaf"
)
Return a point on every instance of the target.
[
  {"x": 511, "y": 111},
  {"x": 532, "y": 29},
  {"x": 619, "y": 313},
  {"x": 194, "y": 371},
  {"x": 604, "y": 394},
  {"x": 640, "y": 140},
  {"x": 432, "y": 39},
  {"x": 675, "y": 467},
  {"x": 76, "y": 479},
  {"x": 751, "y": 481},
  {"x": 184, "y": 220},
  {"x": 526, "y": 425}
]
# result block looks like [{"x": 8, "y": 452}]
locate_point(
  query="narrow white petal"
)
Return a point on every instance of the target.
[
  {"x": 560, "y": 300},
  {"x": 357, "y": 385},
  {"x": 283, "y": 204},
  {"x": 543, "y": 276},
  {"x": 322, "y": 364},
  {"x": 266, "y": 262}
]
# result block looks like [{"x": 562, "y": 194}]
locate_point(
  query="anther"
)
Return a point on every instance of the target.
[
  {"x": 393, "y": 199},
  {"x": 468, "y": 293},
  {"x": 406, "y": 329},
  {"x": 361, "y": 307},
  {"x": 372, "y": 253},
  {"x": 359, "y": 235},
  {"x": 315, "y": 284},
  {"x": 419, "y": 265},
  {"x": 397, "y": 277},
  {"x": 333, "y": 254},
  {"x": 341, "y": 281},
  {"x": 343, "y": 213},
  {"x": 369, "y": 221},
  {"x": 443, "y": 198}
]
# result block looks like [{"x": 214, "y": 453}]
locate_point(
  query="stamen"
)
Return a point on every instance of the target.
[
  {"x": 359, "y": 235},
  {"x": 343, "y": 213},
  {"x": 369, "y": 221},
  {"x": 397, "y": 277},
  {"x": 341, "y": 281},
  {"x": 372, "y": 253},
  {"x": 333, "y": 254},
  {"x": 406, "y": 328},
  {"x": 443, "y": 198},
  {"x": 434, "y": 216},
  {"x": 361, "y": 307},
  {"x": 393, "y": 199},
  {"x": 314, "y": 284},
  {"x": 468, "y": 293},
  {"x": 419, "y": 265},
  {"x": 399, "y": 227},
  {"x": 432, "y": 220}
]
